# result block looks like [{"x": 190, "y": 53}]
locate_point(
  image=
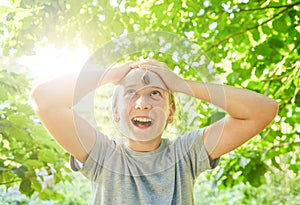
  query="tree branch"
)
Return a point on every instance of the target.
[
  {"x": 10, "y": 182},
  {"x": 247, "y": 29},
  {"x": 279, "y": 78},
  {"x": 284, "y": 144},
  {"x": 268, "y": 7}
]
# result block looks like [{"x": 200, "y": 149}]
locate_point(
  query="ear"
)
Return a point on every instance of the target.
[
  {"x": 171, "y": 114},
  {"x": 116, "y": 116},
  {"x": 170, "y": 119}
]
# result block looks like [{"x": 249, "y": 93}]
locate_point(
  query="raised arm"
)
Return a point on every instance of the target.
[
  {"x": 248, "y": 112},
  {"x": 54, "y": 100}
]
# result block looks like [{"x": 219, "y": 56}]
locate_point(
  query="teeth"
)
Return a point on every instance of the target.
[{"x": 141, "y": 119}]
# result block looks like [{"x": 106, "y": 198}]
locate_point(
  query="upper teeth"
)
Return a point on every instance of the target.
[{"x": 141, "y": 119}]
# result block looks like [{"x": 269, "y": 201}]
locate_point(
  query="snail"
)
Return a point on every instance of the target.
[{"x": 145, "y": 77}]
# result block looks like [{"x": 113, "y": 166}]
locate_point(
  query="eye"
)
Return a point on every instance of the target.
[
  {"x": 130, "y": 92},
  {"x": 155, "y": 93}
]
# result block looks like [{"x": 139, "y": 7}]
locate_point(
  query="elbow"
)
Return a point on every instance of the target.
[
  {"x": 271, "y": 112},
  {"x": 37, "y": 98},
  {"x": 265, "y": 117},
  {"x": 274, "y": 107},
  {"x": 34, "y": 99}
]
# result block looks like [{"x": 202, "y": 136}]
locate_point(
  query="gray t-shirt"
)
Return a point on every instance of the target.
[{"x": 167, "y": 175}]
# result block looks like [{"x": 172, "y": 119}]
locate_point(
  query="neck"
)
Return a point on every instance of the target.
[{"x": 144, "y": 146}]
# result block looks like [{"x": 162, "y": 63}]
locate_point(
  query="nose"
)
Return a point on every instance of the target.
[{"x": 142, "y": 102}]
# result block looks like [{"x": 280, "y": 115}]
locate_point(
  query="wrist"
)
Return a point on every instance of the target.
[{"x": 184, "y": 86}]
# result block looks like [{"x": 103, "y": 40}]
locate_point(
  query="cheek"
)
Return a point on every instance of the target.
[
  {"x": 123, "y": 111},
  {"x": 128, "y": 102},
  {"x": 159, "y": 114},
  {"x": 124, "y": 103}
]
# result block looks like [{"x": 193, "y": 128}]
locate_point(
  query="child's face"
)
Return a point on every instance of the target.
[{"x": 143, "y": 110}]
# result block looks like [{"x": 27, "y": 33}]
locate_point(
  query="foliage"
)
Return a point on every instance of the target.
[
  {"x": 73, "y": 195},
  {"x": 280, "y": 188},
  {"x": 253, "y": 44},
  {"x": 28, "y": 155}
]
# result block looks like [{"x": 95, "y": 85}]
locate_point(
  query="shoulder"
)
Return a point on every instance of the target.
[
  {"x": 190, "y": 138},
  {"x": 187, "y": 144}
]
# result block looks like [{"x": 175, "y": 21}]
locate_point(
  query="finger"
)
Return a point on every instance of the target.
[
  {"x": 138, "y": 64},
  {"x": 158, "y": 64},
  {"x": 148, "y": 65},
  {"x": 134, "y": 64}
]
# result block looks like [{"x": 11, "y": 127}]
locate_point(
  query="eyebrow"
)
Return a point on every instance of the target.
[
  {"x": 129, "y": 86},
  {"x": 147, "y": 86}
]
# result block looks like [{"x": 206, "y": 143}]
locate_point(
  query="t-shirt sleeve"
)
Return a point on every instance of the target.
[
  {"x": 198, "y": 156},
  {"x": 93, "y": 165}
]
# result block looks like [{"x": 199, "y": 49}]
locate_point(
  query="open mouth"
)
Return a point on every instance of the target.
[{"x": 141, "y": 122}]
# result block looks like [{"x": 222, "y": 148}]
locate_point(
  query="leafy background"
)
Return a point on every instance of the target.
[{"x": 253, "y": 44}]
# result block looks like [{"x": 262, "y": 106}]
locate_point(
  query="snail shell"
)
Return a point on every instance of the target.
[{"x": 145, "y": 78}]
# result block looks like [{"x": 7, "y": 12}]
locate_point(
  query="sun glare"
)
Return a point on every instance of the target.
[{"x": 51, "y": 62}]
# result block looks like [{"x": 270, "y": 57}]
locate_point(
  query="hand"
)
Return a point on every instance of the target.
[
  {"x": 170, "y": 79},
  {"x": 116, "y": 74}
]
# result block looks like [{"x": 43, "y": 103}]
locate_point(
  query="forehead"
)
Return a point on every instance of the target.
[{"x": 133, "y": 79}]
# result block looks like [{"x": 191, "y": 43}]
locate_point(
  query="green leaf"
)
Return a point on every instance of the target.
[
  {"x": 259, "y": 70},
  {"x": 256, "y": 176},
  {"x": 18, "y": 119},
  {"x": 47, "y": 155},
  {"x": 297, "y": 98},
  {"x": 280, "y": 25},
  {"x": 292, "y": 14},
  {"x": 254, "y": 85},
  {"x": 256, "y": 35},
  {"x": 36, "y": 184},
  {"x": 275, "y": 42},
  {"x": 68, "y": 178},
  {"x": 57, "y": 178},
  {"x": 18, "y": 134},
  {"x": 25, "y": 187},
  {"x": 295, "y": 168},
  {"x": 263, "y": 49},
  {"x": 266, "y": 29},
  {"x": 275, "y": 164},
  {"x": 34, "y": 163},
  {"x": 20, "y": 172}
]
